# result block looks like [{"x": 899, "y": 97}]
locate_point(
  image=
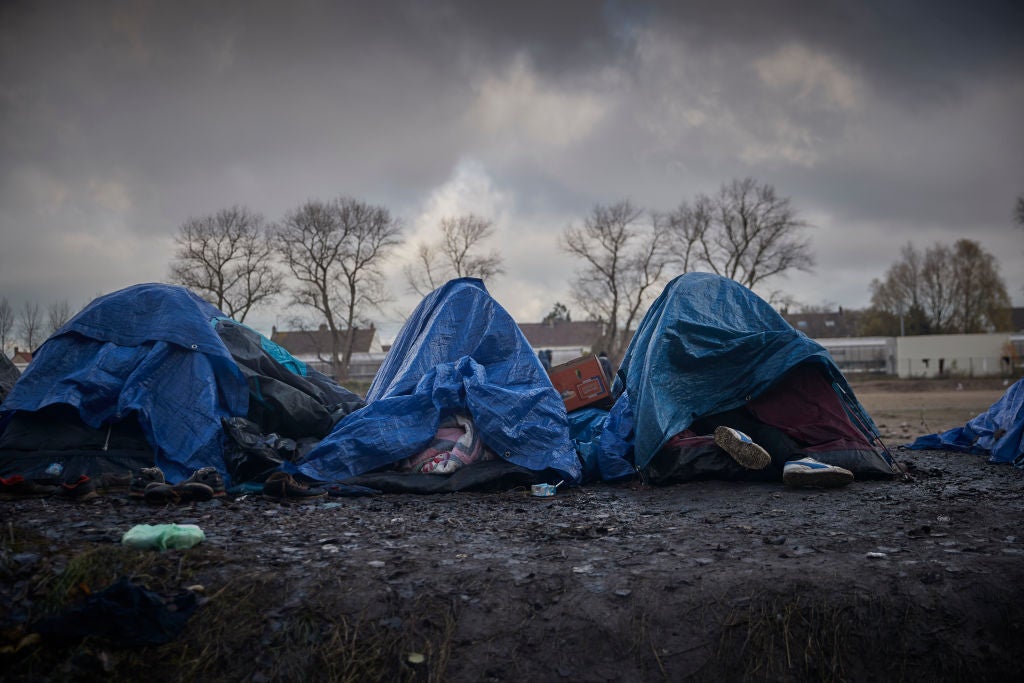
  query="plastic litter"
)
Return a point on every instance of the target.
[
  {"x": 163, "y": 536},
  {"x": 545, "y": 490}
]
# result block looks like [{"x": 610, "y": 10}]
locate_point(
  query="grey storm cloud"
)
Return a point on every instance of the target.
[{"x": 885, "y": 122}]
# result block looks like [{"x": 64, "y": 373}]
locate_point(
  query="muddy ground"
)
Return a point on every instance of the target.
[{"x": 882, "y": 580}]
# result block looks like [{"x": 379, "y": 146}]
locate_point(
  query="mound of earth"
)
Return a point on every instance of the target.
[{"x": 890, "y": 580}]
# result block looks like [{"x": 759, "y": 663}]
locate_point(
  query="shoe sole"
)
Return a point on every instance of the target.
[
  {"x": 811, "y": 479},
  {"x": 748, "y": 455},
  {"x": 187, "y": 492}
]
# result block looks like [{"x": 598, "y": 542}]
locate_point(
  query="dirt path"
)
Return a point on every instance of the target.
[
  {"x": 904, "y": 416},
  {"x": 709, "y": 581}
]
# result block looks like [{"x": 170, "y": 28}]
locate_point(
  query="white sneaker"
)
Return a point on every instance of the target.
[
  {"x": 742, "y": 448},
  {"x": 810, "y": 472}
]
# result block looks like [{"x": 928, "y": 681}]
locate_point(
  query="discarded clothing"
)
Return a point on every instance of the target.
[{"x": 124, "y": 613}]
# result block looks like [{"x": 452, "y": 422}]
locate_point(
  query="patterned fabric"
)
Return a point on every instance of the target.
[{"x": 455, "y": 445}]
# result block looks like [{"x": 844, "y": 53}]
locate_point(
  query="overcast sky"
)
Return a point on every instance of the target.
[{"x": 884, "y": 122}]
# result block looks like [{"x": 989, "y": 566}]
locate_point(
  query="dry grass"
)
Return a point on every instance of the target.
[{"x": 240, "y": 632}]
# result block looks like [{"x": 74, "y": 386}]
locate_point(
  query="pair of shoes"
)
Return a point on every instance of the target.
[
  {"x": 185, "y": 492},
  {"x": 162, "y": 494},
  {"x": 204, "y": 484},
  {"x": 81, "y": 489},
  {"x": 742, "y": 448},
  {"x": 283, "y": 486},
  {"x": 810, "y": 472},
  {"x": 17, "y": 486}
]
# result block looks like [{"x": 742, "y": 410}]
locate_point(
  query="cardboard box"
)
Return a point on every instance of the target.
[{"x": 581, "y": 382}]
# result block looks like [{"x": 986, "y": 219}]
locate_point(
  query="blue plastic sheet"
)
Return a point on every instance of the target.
[
  {"x": 148, "y": 349},
  {"x": 998, "y": 432},
  {"x": 706, "y": 345},
  {"x": 460, "y": 351}
]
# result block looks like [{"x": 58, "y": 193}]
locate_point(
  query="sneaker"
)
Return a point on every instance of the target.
[
  {"x": 210, "y": 477},
  {"x": 810, "y": 472},
  {"x": 283, "y": 486},
  {"x": 81, "y": 489},
  {"x": 161, "y": 493},
  {"x": 742, "y": 448},
  {"x": 142, "y": 479}
]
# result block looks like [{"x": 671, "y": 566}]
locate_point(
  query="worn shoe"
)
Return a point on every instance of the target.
[
  {"x": 161, "y": 493},
  {"x": 742, "y": 448},
  {"x": 810, "y": 472},
  {"x": 142, "y": 479},
  {"x": 81, "y": 489},
  {"x": 210, "y": 477},
  {"x": 283, "y": 486}
]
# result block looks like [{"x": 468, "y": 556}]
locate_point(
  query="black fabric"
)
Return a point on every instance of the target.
[
  {"x": 251, "y": 456},
  {"x": 280, "y": 401},
  {"x": 124, "y": 613},
  {"x": 490, "y": 475},
  {"x": 780, "y": 447},
  {"x": 33, "y": 442},
  {"x": 693, "y": 459}
]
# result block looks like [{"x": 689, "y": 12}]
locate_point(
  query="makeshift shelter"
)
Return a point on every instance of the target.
[
  {"x": 459, "y": 353},
  {"x": 150, "y": 375},
  {"x": 708, "y": 345},
  {"x": 998, "y": 432}
]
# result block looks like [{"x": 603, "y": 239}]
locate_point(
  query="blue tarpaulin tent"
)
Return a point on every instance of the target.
[
  {"x": 998, "y": 432},
  {"x": 707, "y": 345},
  {"x": 151, "y": 375},
  {"x": 459, "y": 351},
  {"x": 148, "y": 352}
]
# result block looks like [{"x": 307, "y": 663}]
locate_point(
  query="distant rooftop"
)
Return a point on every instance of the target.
[{"x": 562, "y": 333}]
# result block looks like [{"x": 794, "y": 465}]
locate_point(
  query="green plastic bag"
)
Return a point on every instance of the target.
[{"x": 163, "y": 536}]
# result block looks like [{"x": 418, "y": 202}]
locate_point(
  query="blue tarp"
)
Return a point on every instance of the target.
[
  {"x": 706, "y": 345},
  {"x": 998, "y": 432},
  {"x": 459, "y": 351},
  {"x": 151, "y": 350}
]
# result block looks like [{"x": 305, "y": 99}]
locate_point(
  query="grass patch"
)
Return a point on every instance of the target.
[
  {"x": 253, "y": 626},
  {"x": 785, "y": 637}
]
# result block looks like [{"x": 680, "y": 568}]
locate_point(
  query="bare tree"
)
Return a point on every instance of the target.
[
  {"x": 6, "y": 323},
  {"x": 942, "y": 291},
  {"x": 454, "y": 255},
  {"x": 746, "y": 232},
  {"x": 57, "y": 314},
  {"x": 226, "y": 259},
  {"x": 335, "y": 251},
  {"x": 938, "y": 288},
  {"x": 30, "y": 324},
  {"x": 897, "y": 301},
  {"x": 623, "y": 262}
]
